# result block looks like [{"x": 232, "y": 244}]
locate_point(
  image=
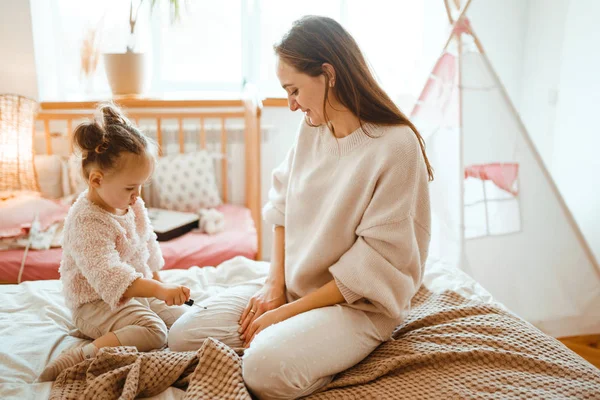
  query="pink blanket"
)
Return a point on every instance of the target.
[
  {"x": 238, "y": 239},
  {"x": 17, "y": 214}
]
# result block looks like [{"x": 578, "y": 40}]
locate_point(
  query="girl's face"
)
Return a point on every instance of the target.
[
  {"x": 120, "y": 188},
  {"x": 304, "y": 92}
]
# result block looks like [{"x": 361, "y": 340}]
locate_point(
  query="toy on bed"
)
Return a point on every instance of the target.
[
  {"x": 170, "y": 224},
  {"x": 211, "y": 221}
]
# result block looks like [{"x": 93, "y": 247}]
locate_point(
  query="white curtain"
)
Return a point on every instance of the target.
[{"x": 217, "y": 46}]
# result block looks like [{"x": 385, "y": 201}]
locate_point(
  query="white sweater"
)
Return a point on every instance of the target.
[
  {"x": 104, "y": 253},
  {"x": 355, "y": 210}
]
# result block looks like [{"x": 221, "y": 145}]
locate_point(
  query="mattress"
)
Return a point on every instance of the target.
[
  {"x": 239, "y": 238},
  {"x": 35, "y": 326}
]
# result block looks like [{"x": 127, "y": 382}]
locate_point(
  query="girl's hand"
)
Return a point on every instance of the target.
[
  {"x": 173, "y": 295},
  {"x": 269, "y": 297},
  {"x": 156, "y": 276},
  {"x": 265, "y": 320}
]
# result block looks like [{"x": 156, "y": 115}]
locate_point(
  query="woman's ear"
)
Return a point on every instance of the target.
[
  {"x": 95, "y": 178},
  {"x": 330, "y": 72}
]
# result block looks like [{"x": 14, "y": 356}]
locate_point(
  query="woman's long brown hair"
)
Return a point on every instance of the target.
[{"x": 315, "y": 40}]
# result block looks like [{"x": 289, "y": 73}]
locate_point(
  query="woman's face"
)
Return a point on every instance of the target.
[{"x": 304, "y": 92}]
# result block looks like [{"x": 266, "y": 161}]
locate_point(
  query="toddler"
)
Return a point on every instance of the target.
[{"x": 110, "y": 261}]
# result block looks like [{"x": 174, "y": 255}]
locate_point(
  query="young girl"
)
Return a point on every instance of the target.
[{"x": 111, "y": 258}]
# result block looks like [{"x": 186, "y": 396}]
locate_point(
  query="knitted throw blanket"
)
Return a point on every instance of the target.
[
  {"x": 449, "y": 347},
  {"x": 213, "y": 372}
]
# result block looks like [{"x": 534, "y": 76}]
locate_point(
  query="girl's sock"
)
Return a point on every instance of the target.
[{"x": 66, "y": 360}]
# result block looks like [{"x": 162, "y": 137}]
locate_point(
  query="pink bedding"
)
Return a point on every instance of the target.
[
  {"x": 238, "y": 239},
  {"x": 18, "y": 213}
]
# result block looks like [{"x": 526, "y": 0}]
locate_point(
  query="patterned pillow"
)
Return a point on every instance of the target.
[{"x": 185, "y": 182}]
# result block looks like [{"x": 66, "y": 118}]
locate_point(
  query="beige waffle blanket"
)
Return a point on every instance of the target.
[{"x": 448, "y": 348}]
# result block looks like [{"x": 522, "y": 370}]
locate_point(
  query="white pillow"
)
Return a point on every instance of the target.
[
  {"x": 76, "y": 181},
  {"x": 50, "y": 171},
  {"x": 185, "y": 182}
]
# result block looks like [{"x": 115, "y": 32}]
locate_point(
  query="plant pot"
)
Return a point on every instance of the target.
[{"x": 127, "y": 73}]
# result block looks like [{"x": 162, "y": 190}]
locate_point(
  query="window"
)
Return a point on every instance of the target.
[
  {"x": 217, "y": 46},
  {"x": 491, "y": 200},
  {"x": 273, "y": 19},
  {"x": 203, "y": 51}
]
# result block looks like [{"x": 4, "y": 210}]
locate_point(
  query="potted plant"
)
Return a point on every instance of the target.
[{"x": 129, "y": 73}]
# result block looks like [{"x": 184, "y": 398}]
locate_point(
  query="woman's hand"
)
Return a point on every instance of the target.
[
  {"x": 327, "y": 295},
  {"x": 173, "y": 295},
  {"x": 270, "y": 297},
  {"x": 267, "y": 319}
]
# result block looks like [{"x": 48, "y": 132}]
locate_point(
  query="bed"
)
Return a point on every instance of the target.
[
  {"x": 457, "y": 342},
  {"x": 228, "y": 130}
]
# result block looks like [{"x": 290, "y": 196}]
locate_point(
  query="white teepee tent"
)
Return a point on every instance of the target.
[{"x": 497, "y": 213}]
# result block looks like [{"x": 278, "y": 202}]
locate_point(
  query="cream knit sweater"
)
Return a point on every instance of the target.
[
  {"x": 104, "y": 253},
  {"x": 355, "y": 210}
]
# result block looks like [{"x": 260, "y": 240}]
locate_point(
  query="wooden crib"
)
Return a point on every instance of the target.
[{"x": 172, "y": 123}]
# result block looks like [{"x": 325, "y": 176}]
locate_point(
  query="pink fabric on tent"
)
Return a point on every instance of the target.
[
  {"x": 438, "y": 90},
  {"x": 502, "y": 175},
  {"x": 237, "y": 239},
  {"x": 462, "y": 26}
]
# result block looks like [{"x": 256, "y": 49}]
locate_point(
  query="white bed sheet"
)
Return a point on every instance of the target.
[{"x": 35, "y": 323}]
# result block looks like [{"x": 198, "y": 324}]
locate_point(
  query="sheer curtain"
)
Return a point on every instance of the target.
[
  {"x": 391, "y": 34},
  {"x": 217, "y": 46}
]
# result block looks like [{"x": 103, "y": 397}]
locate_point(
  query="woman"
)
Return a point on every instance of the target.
[{"x": 350, "y": 209}]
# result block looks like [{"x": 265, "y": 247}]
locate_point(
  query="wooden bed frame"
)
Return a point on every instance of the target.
[{"x": 248, "y": 109}]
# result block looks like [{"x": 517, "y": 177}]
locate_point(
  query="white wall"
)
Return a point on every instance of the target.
[
  {"x": 541, "y": 72},
  {"x": 17, "y": 65},
  {"x": 576, "y": 161},
  {"x": 560, "y": 99}
]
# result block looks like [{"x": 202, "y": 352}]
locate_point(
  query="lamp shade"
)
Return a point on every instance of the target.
[{"x": 17, "y": 171}]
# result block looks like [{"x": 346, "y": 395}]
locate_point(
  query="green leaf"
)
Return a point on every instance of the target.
[{"x": 175, "y": 9}]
